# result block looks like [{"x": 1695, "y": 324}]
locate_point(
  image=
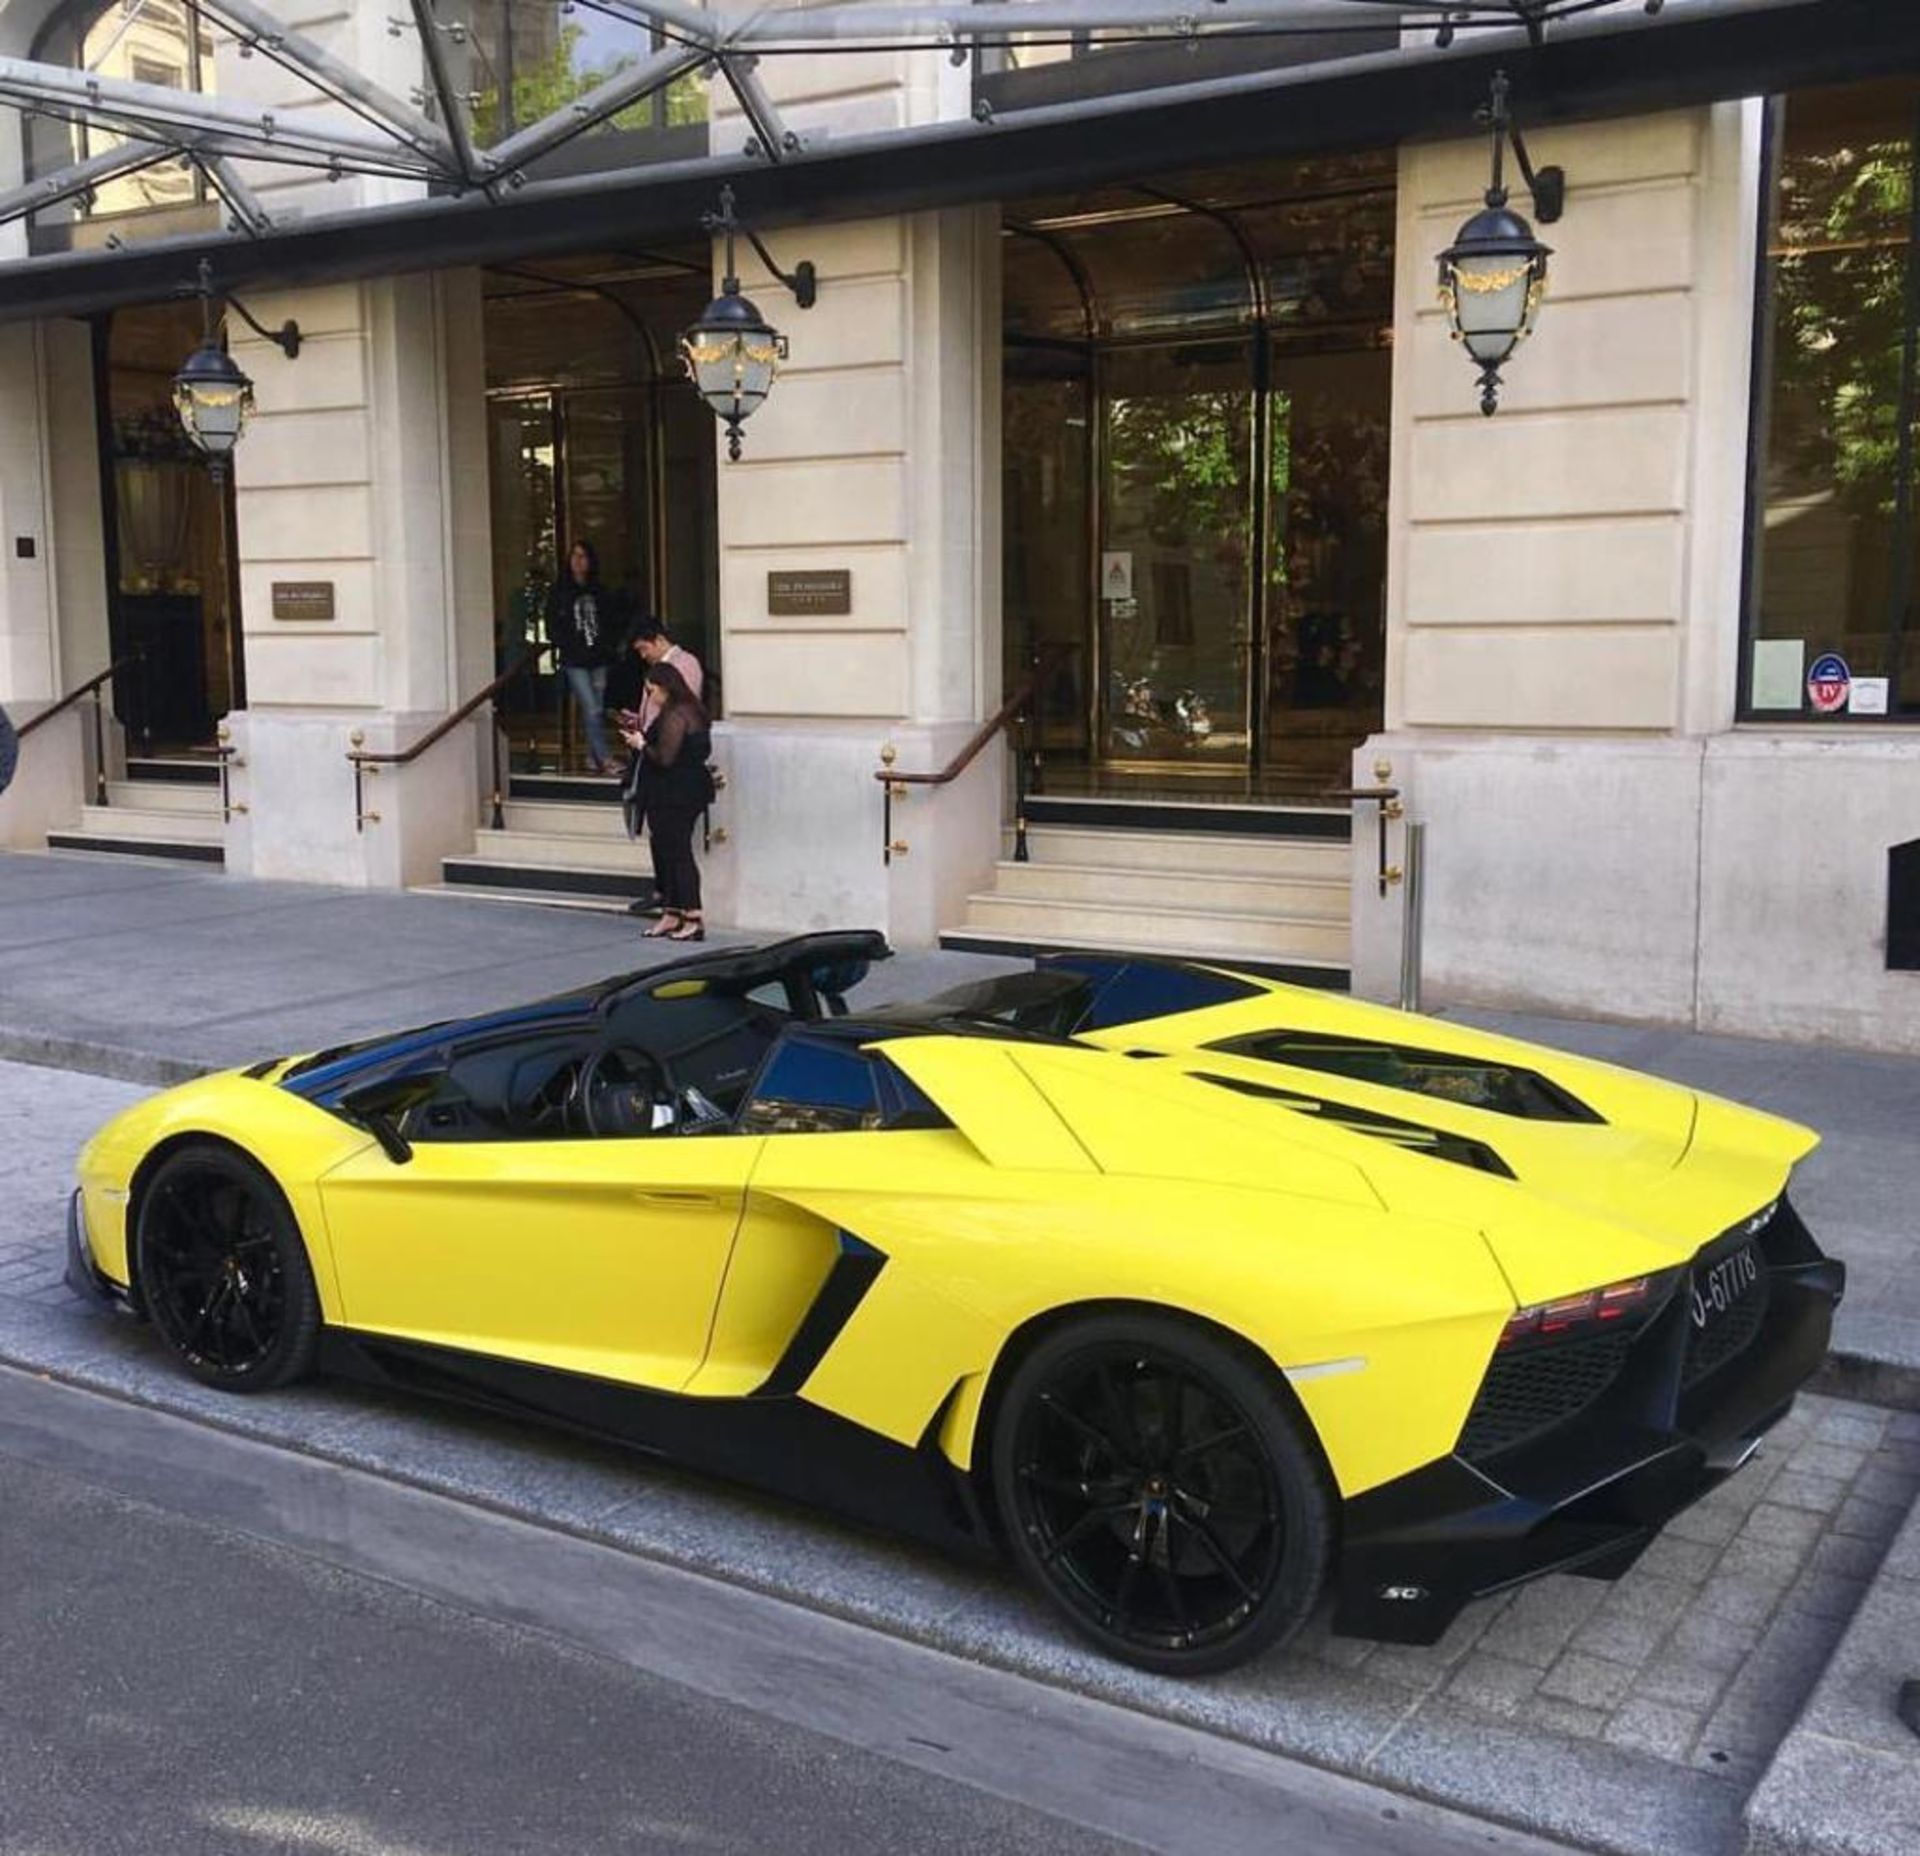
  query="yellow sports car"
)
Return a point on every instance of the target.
[{"x": 1194, "y": 1293}]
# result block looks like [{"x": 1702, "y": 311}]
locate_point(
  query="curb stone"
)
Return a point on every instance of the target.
[
  {"x": 118, "y": 1063},
  {"x": 1846, "y": 1779}
]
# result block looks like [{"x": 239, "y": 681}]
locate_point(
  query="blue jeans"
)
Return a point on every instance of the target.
[{"x": 589, "y": 689}]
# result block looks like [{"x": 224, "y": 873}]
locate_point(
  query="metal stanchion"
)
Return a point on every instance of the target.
[{"x": 1412, "y": 893}]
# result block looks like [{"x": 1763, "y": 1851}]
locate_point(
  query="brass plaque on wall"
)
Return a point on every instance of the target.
[
  {"x": 815, "y": 592},
  {"x": 303, "y": 599}
]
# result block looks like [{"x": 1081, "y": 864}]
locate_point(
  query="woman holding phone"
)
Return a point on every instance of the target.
[{"x": 671, "y": 751}]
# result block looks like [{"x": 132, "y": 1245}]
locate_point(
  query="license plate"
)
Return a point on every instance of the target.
[{"x": 1720, "y": 1287}]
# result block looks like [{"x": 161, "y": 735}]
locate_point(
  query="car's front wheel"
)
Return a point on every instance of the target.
[
  {"x": 1157, "y": 1485},
  {"x": 222, "y": 1271}
]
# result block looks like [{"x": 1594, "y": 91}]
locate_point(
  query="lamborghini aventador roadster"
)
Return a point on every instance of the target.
[{"x": 1193, "y": 1293}]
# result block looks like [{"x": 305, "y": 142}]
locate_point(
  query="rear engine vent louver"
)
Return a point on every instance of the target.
[
  {"x": 1473, "y": 1082},
  {"x": 1527, "y": 1393},
  {"x": 1436, "y": 1143}
]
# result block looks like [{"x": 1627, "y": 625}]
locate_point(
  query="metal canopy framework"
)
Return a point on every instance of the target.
[{"x": 475, "y": 201}]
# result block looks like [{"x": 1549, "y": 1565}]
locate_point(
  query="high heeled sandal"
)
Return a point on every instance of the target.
[
  {"x": 666, "y": 928},
  {"x": 691, "y": 929}
]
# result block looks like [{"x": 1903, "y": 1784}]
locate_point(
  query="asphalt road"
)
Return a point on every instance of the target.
[
  {"x": 174, "y": 1686},
  {"x": 209, "y": 1645}
]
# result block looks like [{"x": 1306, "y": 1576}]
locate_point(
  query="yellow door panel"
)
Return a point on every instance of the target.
[
  {"x": 602, "y": 1257},
  {"x": 894, "y": 1366},
  {"x": 781, "y": 1259}
]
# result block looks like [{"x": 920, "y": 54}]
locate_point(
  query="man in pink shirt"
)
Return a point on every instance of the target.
[{"x": 653, "y": 646}]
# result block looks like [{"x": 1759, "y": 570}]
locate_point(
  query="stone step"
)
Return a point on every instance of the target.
[
  {"x": 564, "y": 818},
  {"x": 171, "y": 850},
  {"x": 1198, "y": 816},
  {"x": 1310, "y": 898},
  {"x": 152, "y": 822},
  {"x": 173, "y": 770},
  {"x": 527, "y": 898},
  {"x": 575, "y": 788},
  {"x": 1276, "y": 937},
  {"x": 1333, "y": 975},
  {"x": 621, "y": 885},
  {"x": 163, "y": 796},
  {"x": 1218, "y": 853},
  {"x": 571, "y": 850}
]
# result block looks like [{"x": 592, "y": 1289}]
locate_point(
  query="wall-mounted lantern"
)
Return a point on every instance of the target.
[
  {"x": 211, "y": 393},
  {"x": 733, "y": 353},
  {"x": 1494, "y": 274}
]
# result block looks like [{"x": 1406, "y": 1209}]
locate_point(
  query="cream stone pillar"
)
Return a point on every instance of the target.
[
  {"x": 359, "y": 475},
  {"x": 53, "y": 624},
  {"x": 876, "y": 455},
  {"x": 1564, "y": 577}
]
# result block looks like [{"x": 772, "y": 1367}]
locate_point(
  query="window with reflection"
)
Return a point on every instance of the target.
[
  {"x": 1836, "y": 553},
  {"x": 1196, "y": 427},
  {"x": 527, "y": 58},
  {"x": 163, "y": 42}
]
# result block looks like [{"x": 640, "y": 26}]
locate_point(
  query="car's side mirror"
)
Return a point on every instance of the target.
[
  {"x": 393, "y": 1143},
  {"x": 369, "y": 1112}
]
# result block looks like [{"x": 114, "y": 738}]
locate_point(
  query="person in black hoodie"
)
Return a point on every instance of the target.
[{"x": 583, "y": 625}]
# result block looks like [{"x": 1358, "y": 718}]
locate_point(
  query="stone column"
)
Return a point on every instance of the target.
[
  {"x": 877, "y": 454},
  {"x": 53, "y": 614},
  {"x": 358, "y": 473},
  {"x": 1564, "y": 576}
]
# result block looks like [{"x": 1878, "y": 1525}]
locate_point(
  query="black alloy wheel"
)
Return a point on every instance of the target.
[
  {"x": 222, "y": 1271},
  {"x": 1157, "y": 1484}
]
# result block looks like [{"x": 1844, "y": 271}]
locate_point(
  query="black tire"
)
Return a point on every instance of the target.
[
  {"x": 1157, "y": 1484},
  {"x": 223, "y": 1273}
]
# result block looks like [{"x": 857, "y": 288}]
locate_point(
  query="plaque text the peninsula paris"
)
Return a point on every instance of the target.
[
  {"x": 303, "y": 599},
  {"x": 808, "y": 593}
]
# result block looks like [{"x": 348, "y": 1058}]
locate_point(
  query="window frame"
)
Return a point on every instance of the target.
[{"x": 1906, "y": 521}]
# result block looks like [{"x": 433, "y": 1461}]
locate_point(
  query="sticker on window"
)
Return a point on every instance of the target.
[{"x": 1828, "y": 683}]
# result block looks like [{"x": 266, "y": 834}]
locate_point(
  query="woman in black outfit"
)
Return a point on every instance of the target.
[{"x": 677, "y": 789}]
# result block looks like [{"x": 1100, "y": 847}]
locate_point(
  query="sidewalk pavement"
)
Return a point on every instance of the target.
[
  {"x": 1733, "y": 1691},
  {"x": 152, "y": 974}
]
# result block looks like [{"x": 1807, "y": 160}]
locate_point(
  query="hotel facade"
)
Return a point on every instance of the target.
[{"x": 1123, "y": 474}]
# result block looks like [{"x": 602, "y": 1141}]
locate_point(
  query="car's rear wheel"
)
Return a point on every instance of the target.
[
  {"x": 223, "y": 1273},
  {"x": 1156, "y": 1483}
]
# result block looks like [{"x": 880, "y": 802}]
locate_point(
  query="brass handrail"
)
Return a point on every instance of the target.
[
  {"x": 92, "y": 687},
  {"x": 894, "y": 785},
  {"x": 74, "y": 695},
  {"x": 975, "y": 742},
  {"x": 1387, "y": 798},
  {"x": 366, "y": 762}
]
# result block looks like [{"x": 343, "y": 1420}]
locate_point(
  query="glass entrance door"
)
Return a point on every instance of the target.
[
  {"x": 1174, "y": 614},
  {"x": 172, "y": 584},
  {"x": 1325, "y": 656},
  {"x": 1196, "y": 421},
  {"x": 524, "y": 453},
  {"x": 593, "y": 437}
]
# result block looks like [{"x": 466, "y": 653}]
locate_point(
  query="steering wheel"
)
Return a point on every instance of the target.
[
  {"x": 618, "y": 1089},
  {"x": 548, "y": 1110}
]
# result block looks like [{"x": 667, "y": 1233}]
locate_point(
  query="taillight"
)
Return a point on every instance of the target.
[{"x": 1627, "y": 1303}]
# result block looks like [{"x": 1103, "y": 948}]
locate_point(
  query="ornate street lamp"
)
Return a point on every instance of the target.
[
  {"x": 211, "y": 393},
  {"x": 733, "y": 353},
  {"x": 1494, "y": 274}
]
